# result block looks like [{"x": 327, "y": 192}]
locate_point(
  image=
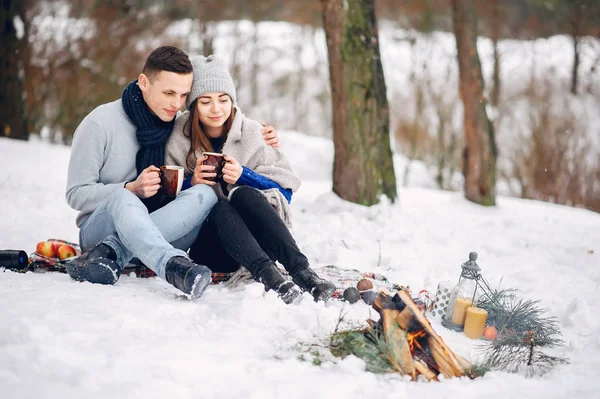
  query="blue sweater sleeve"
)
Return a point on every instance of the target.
[
  {"x": 253, "y": 179},
  {"x": 187, "y": 183}
]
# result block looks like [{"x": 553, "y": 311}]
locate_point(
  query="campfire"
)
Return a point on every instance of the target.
[{"x": 413, "y": 346}]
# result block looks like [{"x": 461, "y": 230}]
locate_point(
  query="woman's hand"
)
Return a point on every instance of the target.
[
  {"x": 202, "y": 172},
  {"x": 232, "y": 170}
]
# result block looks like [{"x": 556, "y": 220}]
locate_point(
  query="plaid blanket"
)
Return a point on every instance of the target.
[
  {"x": 40, "y": 264},
  {"x": 342, "y": 278}
]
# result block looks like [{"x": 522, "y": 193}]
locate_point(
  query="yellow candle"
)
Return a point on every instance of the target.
[
  {"x": 475, "y": 322},
  {"x": 460, "y": 310}
]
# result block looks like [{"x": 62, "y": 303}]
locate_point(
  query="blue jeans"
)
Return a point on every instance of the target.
[{"x": 123, "y": 223}]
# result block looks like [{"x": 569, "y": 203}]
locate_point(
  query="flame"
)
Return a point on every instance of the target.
[{"x": 413, "y": 339}]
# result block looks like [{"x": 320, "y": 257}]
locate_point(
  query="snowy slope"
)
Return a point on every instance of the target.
[{"x": 139, "y": 338}]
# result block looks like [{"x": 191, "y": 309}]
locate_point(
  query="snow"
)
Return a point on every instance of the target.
[{"x": 140, "y": 338}]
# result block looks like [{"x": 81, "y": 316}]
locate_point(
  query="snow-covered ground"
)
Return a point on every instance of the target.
[{"x": 139, "y": 338}]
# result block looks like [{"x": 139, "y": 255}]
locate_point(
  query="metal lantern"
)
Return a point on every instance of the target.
[{"x": 464, "y": 294}]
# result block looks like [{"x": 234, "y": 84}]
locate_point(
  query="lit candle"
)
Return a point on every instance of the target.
[
  {"x": 460, "y": 310},
  {"x": 475, "y": 322}
]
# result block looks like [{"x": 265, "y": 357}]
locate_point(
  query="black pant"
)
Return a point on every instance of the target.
[{"x": 246, "y": 231}]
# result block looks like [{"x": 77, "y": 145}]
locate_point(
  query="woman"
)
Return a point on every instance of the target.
[{"x": 248, "y": 225}]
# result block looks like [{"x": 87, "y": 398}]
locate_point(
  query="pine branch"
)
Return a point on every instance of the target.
[
  {"x": 522, "y": 331},
  {"x": 369, "y": 346},
  {"x": 523, "y": 358},
  {"x": 514, "y": 316}
]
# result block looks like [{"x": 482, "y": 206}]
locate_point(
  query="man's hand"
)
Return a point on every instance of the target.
[
  {"x": 201, "y": 172},
  {"x": 147, "y": 183},
  {"x": 270, "y": 135},
  {"x": 232, "y": 170}
]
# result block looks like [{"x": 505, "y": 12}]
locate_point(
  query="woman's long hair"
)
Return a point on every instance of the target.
[{"x": 194, "y": 130}]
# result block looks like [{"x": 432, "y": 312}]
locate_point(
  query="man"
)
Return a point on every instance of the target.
[{"x": 113, "y": 173}]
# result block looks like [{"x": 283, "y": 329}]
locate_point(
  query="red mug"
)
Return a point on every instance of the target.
[
  {"x": 218, "y": 161},
  {"x": 171, "y": 179}
]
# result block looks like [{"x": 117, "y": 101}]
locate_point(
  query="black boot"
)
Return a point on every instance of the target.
[
  {"x": 319, "y": 288},
  {"x": 272, "y": 279},
  {"x": 187, "y": 276},
  {"x": 98, "y": 266}
]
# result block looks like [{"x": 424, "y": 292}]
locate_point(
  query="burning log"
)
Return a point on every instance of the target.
[
  {"x": 443, "y": 361},
  {"x": 424, "y": 370},
  {"x": 414, "y": 347},
  {"x": 404, "y": 316},
  {"x": 451, "y": 356},
  {"x": 400, "y": 355}
]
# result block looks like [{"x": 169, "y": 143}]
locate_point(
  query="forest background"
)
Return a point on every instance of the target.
[{"x": 540, "y": 62}]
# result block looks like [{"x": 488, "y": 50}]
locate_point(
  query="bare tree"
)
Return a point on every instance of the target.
[
  {"x": 579, "y": 16},
  {"x": 363, "y": 167},
  {"x": 480, "y": 153},
  {"x": 576, "y": 50},
  {"x": 12, "y": 118},
  {"x": 496, "y": 23}
]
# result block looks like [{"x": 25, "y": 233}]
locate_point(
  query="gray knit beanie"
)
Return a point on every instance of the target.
[{"x": 210, "y": 75}]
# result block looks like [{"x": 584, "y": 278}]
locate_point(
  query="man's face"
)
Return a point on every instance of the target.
[{"x": 166, "y": 94}]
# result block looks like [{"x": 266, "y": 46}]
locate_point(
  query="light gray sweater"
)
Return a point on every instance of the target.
[
  {"x": 246, "y": 145},
  {"x": 102, "y": 158}
]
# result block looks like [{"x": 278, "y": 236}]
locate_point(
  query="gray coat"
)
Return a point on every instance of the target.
[{"x": 244, "y": 143}]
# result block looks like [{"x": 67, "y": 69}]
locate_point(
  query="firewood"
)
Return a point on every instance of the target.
[
  {"x": 443, "y": 349},
  {"x": 424, "y": 370},
  {"x": 383, "y": 301},
  {"x": 464, "y": 363},
  {"x": 388, "y": 316},
  {"x": 399, "y": 349},
  {"x": 404, "y": 318},
  {"x": 444, "y": 363}
]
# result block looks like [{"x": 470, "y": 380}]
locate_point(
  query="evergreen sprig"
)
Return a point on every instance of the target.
[
  {"x": 512, "y": 315},
  {"x": 523, "y": 329},
  {"x": 516, "y": 355},
  {"x": 369, "y": 346}
]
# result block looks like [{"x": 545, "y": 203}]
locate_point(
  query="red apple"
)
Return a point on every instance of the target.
[
  {"x": 65, "y": 251},
  {"x": 46, "y": 248}
]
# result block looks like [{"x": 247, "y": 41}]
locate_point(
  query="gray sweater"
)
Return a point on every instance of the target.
[
  {"x": 102, "y": 158},
  {"x": 244, "y": 143}
]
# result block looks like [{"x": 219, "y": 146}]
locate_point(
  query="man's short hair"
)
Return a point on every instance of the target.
[{"x": 167, "y": 58}]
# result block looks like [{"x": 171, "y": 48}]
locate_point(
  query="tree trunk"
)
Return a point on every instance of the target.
[
  {"x": 207, "y": 33},
  {"x": 12, "y": 117},
  {"x": 363, "y": 167},
  {"x": 575, "y": 64},
  {"x": 480, "y": 152},
  {"x": 576, "y": 25},
  {"x": 496, "y": 23}
]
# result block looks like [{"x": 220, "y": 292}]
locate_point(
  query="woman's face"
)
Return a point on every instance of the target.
[{"x": 213, "y": 111}]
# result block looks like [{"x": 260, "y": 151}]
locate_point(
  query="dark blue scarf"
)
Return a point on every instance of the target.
[{"x": 152, "y": 133}]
